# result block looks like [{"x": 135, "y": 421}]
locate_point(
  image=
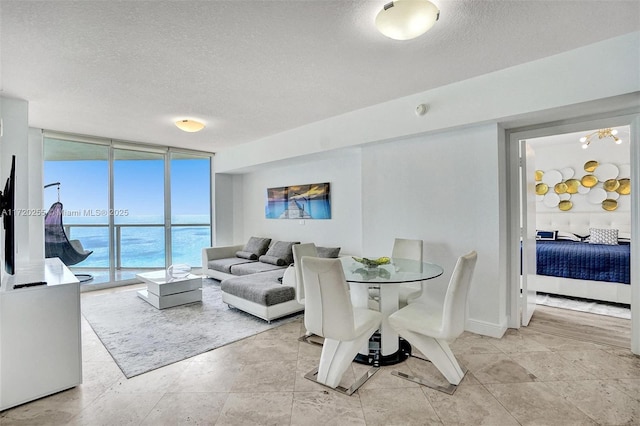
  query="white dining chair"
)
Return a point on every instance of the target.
[
  {"x": 412, "y": 250},
  {"x": 330, "y": 314},
  {"x": 431, "y": 325},
  {"x": 299, "y": 250}
]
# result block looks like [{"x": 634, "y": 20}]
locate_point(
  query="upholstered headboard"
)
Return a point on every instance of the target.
[{"x": 579, "y": 223}]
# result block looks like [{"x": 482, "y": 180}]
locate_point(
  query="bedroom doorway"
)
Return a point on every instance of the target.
[{"x": 574, "y": 202}]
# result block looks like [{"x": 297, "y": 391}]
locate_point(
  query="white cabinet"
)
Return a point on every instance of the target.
[{"x": 40, "y": 340}]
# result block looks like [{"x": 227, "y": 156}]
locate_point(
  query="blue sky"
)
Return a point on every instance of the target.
[{"x": 138, "y": 186}]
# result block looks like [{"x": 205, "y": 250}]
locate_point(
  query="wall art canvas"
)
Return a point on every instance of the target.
[{"x": 311, "y": 201}]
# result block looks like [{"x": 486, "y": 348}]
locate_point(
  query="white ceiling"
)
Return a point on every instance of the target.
[{"x": 250, "y": 69}]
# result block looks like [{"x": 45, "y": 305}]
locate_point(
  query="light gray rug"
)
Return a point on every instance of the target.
[
  {"x": 141, "y": 338},
  {"x": 583, "y": 305}
]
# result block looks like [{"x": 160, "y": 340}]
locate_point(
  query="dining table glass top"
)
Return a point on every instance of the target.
[{"x": 396, "y": 271}]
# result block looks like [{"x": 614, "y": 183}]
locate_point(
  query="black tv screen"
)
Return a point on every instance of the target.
[{"x": 7, "y": 200}]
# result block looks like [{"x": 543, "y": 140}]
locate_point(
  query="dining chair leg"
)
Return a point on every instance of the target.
[
  {"x": 313, "y": 376},
  {"x": 310, "y": 338},
  {"x": 447, "y": 366}
]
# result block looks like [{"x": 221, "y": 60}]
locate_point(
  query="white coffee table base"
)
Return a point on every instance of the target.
[{"x": 163, "y": 294}]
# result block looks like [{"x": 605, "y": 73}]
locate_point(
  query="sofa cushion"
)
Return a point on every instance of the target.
[
  {"x": 224, "y": 265},
  {"x": 257, "y": 246},
  {"x": 331, "y": 252},
  {"x": 253, "y": 268},
  {"x": 247, "y": 255},
  {"x": 264, "y": 288},
  {"x": 272, "y": 260},
  {"x": 282, "y": 250}
]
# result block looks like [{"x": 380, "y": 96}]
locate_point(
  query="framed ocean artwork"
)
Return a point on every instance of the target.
[{"x": 310, "y": 201}]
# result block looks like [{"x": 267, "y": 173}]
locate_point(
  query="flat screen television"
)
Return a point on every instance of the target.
[{"x": 7, "y": 206}]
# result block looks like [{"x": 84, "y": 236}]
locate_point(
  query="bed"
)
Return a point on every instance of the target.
[{"x": 568, "y": 266}]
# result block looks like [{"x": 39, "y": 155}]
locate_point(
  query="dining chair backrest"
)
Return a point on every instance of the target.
[
  {"x": 328, "y": 310},
  {"x": 407, "y": 249},
  {"x": 455, "y": 301},
  {"x": 299, "y": 250}
]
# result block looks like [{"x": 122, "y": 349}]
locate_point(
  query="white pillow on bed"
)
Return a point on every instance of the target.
[
  {"x": 562, "y": 235},
  {"x": 603, "y": 236},
  {"x": 624, "y": 237}
]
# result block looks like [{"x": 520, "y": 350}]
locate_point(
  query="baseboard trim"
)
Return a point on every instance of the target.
[{"x": 486, "y": 328}]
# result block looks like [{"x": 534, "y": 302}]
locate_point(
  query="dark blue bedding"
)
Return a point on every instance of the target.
[{"x": 584, "y": 261}]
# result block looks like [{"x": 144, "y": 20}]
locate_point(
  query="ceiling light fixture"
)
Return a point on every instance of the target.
[
  {"x": 407, "y": 19},
  {"x": 191, "y": 126},
  {"x": 602, "y": 133}
]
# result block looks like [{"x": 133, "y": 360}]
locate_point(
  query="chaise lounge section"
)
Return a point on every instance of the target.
[
  {"x": 258, "y": 277},
  {"x": 252, "y": 276}
]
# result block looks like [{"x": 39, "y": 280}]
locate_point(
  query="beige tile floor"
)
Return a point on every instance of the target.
[{"x": 524, "y": 378}]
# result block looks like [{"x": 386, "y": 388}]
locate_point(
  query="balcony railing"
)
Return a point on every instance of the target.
[{"x": 144, "y": 249}]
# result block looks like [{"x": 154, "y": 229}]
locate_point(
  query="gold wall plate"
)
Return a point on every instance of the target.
[
  {"x": 590, "y": 166},
  {"x": 589, "y": 181},
  {"x": 542, "y": 188},
  {"x": 565, "y": 205},
  {"x": 625, "y": 187},
  {"x": 611, "y": 184},
  {"x": 572, "y": 186},
  {"x": 560, "y": 188},
  {"x": 539, "y": 174},
  {"x": 609, "y": 204}
]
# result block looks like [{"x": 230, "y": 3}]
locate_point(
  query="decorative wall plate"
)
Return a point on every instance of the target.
[
  {"x": 597, "y": 195},
  {"x": 551, "y": 177},
  {"x": 567, "y": 173},
  {"x": 611, "y": 184},
  {"x": 609, "y": 205},
  {"x": 590, "y": 166},
  {"x": 560, "y": 188},
  {"x": 625, "y": 187},
  {"x": 542, "y": 188},
  {"x": 606, "y": 172},
  {"x": 565, "y": 205},
  {"x": 589, "y": 181},
  {"x": 572, "y": 186},
  {"x": 551, "y": 199},
  {"x": 538, "y": 175}
]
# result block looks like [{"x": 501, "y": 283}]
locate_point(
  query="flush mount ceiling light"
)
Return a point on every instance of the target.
[
  {"x": 191, "y": 126},
  {"x": 602, "y": 133},
  {"x": 406, "y": 19}
]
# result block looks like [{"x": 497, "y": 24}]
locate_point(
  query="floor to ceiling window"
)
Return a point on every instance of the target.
[{"x": 137, "y": 207}]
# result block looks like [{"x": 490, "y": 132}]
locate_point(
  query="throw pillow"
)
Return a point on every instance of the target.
[
  {"x": 272, "y": 260},
  {"x": 246, "y": 255},
  {"x": 562, "y": 235},
  {"x": 546, "y": 235},
  {"x": 282, "y": 250},
  {"x": 257, "y": 246},
  {"x": 603, "y": 236},
  {"x": 331, "y": 252}
]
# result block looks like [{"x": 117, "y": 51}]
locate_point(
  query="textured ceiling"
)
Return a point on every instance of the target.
[{"x": 250, "y": 69}]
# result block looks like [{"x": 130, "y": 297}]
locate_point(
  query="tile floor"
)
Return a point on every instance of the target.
[{"x": 524, "y": 378}]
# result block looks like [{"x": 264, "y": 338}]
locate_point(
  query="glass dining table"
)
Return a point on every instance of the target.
[{"x": 385, "y": 347}]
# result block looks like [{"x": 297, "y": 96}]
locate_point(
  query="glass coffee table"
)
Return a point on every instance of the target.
[{"x": 165, "y": 292}]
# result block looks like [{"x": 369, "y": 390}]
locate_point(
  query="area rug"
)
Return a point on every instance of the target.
[{"x": 141, "y": 338}]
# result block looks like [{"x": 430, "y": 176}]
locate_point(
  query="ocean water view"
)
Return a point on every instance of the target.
[{"x": 141, "y": 240}]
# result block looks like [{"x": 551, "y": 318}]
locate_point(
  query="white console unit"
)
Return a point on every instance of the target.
[{"x": 40, "y": 340}]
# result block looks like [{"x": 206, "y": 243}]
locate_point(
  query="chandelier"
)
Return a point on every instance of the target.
[{"x": 602, "y": 133}]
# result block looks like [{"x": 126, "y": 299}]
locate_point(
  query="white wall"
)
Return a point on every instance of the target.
[
  {"x": 443, "y": 189},
  {"x": 344, "y": 229},
  {"x": 545, "y": 84}
]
